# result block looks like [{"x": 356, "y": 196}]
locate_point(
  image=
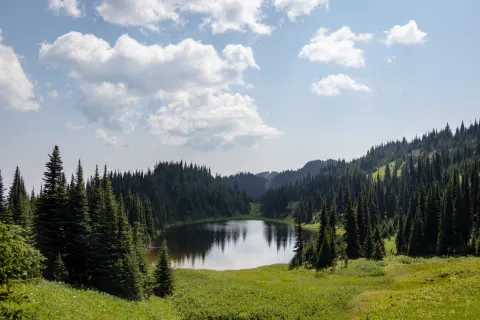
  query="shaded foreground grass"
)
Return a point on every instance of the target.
[{"x": 397, "y": 288}]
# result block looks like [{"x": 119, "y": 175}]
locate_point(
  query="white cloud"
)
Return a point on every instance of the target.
[
  {"x": 295, "y": 8},
  {"x": 338, "y": 47},
  {"x": 185, "y": 80},
  {"x": 53, "y": 94},
  {"x": 390, "y": 59},
  {"x": 67, "y": 7},
  {"x": 72, "y": 126},
  {"x": 332, "y": 85},
  {"x": 220, "y": 15},
  {"x": 103, "y": 136},
  {"x": 48, "y": 84},
  {"x": 16, "y": 90},
  {"x": 1, "y": 35},
  {"x": 209, "y": 121},
  {"x": 407, "y": 34}
]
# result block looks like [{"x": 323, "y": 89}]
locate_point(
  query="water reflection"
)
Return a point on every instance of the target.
[{"x": 228, "y": 245}]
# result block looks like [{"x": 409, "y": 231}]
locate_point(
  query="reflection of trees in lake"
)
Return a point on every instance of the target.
[
  {"x": 190, "y": 244},
  {"x": 194, "y": 242}
]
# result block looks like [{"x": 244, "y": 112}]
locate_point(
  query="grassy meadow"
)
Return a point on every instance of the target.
[{"x": 396, "y": 288}]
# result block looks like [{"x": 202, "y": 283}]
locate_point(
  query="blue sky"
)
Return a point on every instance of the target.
[{"x": 236, "y": 85}]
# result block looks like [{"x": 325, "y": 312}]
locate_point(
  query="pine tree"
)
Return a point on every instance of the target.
[
  {"x": 297, "y": 259},
  {"x": 431, "y": 225},
  {"x": 379, "y": 252},
  {"x": 333, "y": 228},
  {"x": 5, "y": 214},
  {"x": 351, "y": 232},
  {"x": 323, "y": 227},
  {"x": 415, "y": 247},
  {"x": 400, "y": 240},
  {"x": 77, "y": 229},
  {"x": 164, "y": 283},
  {"x": 445, "y": 235},
  {"x": 132, "y": 286},
  {"x": 50, "y": 212},
  {"x": 325, "y": 257},
  {"x": 60, "y": 272},
  {"x": 369, "y": 245}
]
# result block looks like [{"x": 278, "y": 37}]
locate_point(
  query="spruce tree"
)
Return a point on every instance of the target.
[
  {"x": 297, "y": 259},
  {"x": 351, "y": 231},
  {"x": 400, "y": 239},
  {"x": 379, "y": 252},
  {"x": 325, "y": 257},
  {"x": 369, "y": 245},
  {"x": 322, "y": 227},
  {"x": 3, "y": 209},
  {"x": 132, "y": 286},
  {"x": 164, "y": 282},
  {"x": 77, "y": 229},
  {"x": 50, "y": 212},
  {"x": 332, "y": 222},
  {"x": 415, "y": 244},
  {"x": 431, "y": 225},
  {"x": 445, "y": 235}
]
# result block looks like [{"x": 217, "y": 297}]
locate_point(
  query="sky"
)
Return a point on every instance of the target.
[{"x": 237, "y": 85}]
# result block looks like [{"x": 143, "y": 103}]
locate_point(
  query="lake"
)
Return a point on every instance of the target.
[{"x": 228, "y": 245}]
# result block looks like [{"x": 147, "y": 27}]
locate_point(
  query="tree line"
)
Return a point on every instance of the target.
[
  {"x": 425, "y": 193},
  {"x": 87, "y": 235}
]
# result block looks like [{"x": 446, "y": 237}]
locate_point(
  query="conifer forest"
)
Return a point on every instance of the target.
[{"x": 417, "y": 199}]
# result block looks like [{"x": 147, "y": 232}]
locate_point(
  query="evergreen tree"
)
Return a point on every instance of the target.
[
  {"x": 400, "y": 240},
  {"x": 415, "y": 244},
  {"x": 77, "y": 230},
  {"x": 297, "y": 259},
  {"x": 445, "y": 235},
  {"x": 351, "y": 232},
  {"x": 325, "y": 257},
  {"x": 323, "y": 227},
  {"x": 132, "y": 286},
  {"x": 5, "y": 214},
  {"x": 51, "y": 209},
  {"x": 431, "y": 225},
  {"x": 164, "y": 283},
  {"x": 369, "y": 245},
  {"x": 60, "y": 272},
  {"x": 379, "y": 252}
]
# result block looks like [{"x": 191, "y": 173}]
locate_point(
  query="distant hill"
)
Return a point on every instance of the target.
[{"x": 255, "y": 185}]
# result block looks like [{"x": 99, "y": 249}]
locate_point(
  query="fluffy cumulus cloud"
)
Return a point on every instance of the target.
[
  {"x": 295, "y": 8},
  {"x": 16, "y": 90},
  {"x": 219, "y": 15},
  {"x": 209, "y": 121},
  {"x": 67, "y": 7},
  {"x": 104, "y": 137},
  {"x": 186, "y": 81},
  {"x": 336, "y": 47},
  {"x": 407, "y": 34},
  {"x": 334, "y": 84}
]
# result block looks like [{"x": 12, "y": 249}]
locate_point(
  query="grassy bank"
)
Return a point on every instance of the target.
[{"x": 397, "y": 288}]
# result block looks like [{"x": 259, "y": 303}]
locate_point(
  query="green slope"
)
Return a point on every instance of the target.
[{"x": 398, "y": 288}]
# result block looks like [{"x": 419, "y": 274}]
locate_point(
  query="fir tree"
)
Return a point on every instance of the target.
[
  {"x": 431, "y": 225},
  {"x": 50, "y": 212},
  {"x": 415, "y": 244},
  {"x": 77, "y": 229},
  {"x": 323, "y": 227},
  {"x": 445, "y": 235},
  {"x": 297, "y": 259},
  {"x": 164, "y": 283},
  {"x": 5, "y": 214},
  {"x": 351, "y": 232},
  {"x": 400, "y": 240},
  {"x": 369, "y": 245}
]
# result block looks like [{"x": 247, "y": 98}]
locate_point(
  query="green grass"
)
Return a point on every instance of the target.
[
  {"x": 397, "y": 288},
  {"x": 381, "y": 171}
]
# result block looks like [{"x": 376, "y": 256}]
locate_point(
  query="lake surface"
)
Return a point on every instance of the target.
[{"x": 229, "y": 245}]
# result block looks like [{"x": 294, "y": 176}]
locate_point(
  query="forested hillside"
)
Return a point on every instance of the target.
[
  {"x": 425, "y": 191},
  {"x": 180, "y": 192}
]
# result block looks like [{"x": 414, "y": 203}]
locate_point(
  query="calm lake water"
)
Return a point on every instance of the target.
[{"x": 229, "y": 245}]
